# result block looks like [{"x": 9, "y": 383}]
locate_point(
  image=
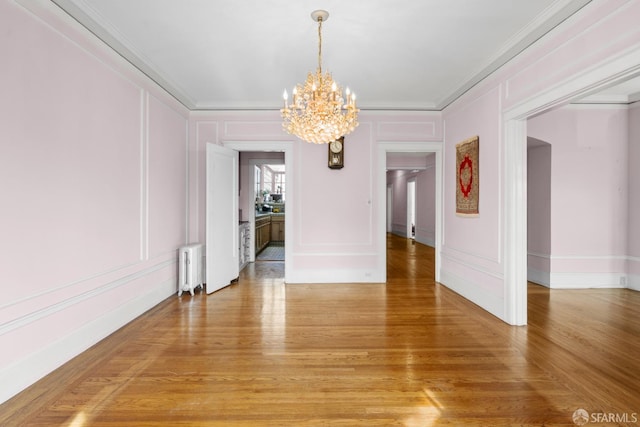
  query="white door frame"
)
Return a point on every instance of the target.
[
  {"x": 409, "y": 147},
  {"x": 514, "y": 147},
  {"x": 389, "y": 208},
  {"x": 411, "y": 205},
  {"x": 287, "y": 148}
]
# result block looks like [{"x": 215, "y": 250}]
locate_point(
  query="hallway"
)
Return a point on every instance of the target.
[{"x": 408, "y": 353}]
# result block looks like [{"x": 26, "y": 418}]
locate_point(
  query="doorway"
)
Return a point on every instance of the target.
[
  {"x": 270, "y": 195},
  {"x": 263, "y": 153},
  {"x": 384, "y": 212},
  {"x": 515, "y": 178},
  {"x": 411, "y": 208},
  {"x": 389, "y": 208}
]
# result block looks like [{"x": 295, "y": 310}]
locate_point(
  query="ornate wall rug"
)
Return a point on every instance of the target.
[{"x": 467, "y": 184}]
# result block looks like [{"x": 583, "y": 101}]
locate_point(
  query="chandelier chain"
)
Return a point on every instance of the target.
[{"x": 320, "y": 44}]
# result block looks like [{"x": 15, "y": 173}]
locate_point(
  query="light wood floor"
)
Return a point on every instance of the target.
[{"x": 408, "y": 353}]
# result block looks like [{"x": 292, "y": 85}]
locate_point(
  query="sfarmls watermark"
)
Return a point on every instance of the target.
[{"x": 582, "y": 417}]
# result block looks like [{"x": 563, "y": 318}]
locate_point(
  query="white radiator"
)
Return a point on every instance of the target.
[{"x": 190, "y": 269}]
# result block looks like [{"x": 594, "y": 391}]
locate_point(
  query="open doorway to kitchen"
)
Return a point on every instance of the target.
[
  {"x": 274, "y": 158},
  {"x": 270, "y": 195}
]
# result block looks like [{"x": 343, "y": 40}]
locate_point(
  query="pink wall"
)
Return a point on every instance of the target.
[
  {"x": 597, "y": 43},
  {"x": 93, "y": 173},
  {"x": 335, "y": 211},
  {"x": 589, "y": 193},
  {"x": 633, "y": 251},
  {"x": 471, "y": 257}
]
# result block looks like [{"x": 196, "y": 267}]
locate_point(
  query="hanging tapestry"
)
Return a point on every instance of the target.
[{"x": 467, "y": 184}]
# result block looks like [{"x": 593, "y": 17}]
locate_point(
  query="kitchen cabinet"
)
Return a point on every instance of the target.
[
  {"x": 277, "y": 228},
  {"x": 263, "y": 232}
]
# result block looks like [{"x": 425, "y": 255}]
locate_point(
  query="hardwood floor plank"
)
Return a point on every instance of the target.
[{"x": 406, "y": 353}]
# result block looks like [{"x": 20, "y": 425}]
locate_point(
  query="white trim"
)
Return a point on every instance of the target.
[
  {"x": 408, "y": 147},
  {"x": 24, "y": 372},
  {"x": 287, "y": 148},
  {"x": 601, "y": 102},
  {"x": 590, "y": 257},
  {"x": 333, "y": 276},
  {"x": 538, "y": 276},
  {"x": 389, "y": 211},
  {"x": 411, "y": 203},
  {"x": 599, "y": 76},
  {"x": 427, "y": 241},
  {"x": 253, "y": 163},
  {"x": 545, "y": 22},
  {"x": 400, "y": 232},
  {"x": 446, "y": 254},
  {"x": 538, "y": 255},
  {"x": 587, "y": 280},
  {"x": 583, "y": 257},
  {"x": 515, "y": 221},
  {"x": 514, "y": 143},
  {"x": 34, "y": 316},
  {"x": 475, "y": 293},
  {"x": 110, "y": 36},
  {"x": 633, "y": 282}
]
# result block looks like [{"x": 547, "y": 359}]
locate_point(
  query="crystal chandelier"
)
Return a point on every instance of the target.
[{"x": 319, "y": 113}]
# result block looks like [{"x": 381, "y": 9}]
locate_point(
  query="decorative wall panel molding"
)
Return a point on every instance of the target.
[
  {"x": 423, "y": 131},
  {"x": 254, "y": 130}
]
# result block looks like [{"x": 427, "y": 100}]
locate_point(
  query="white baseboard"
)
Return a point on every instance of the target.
[
  {"x": 426, "y": 241},
  {"x": 20, "y": 375},
  {"x": 633, "y": 282},
  {"x": 474, "y": 293},
  {"x": 338, "y": 276},
  {"x": 539, "y": 277},
  {"x": 402, "y": 232},
  {"x": 587, "y": 280}
]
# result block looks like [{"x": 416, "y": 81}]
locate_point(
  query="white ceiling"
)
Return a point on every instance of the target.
[{"x": 242, "y": 54}]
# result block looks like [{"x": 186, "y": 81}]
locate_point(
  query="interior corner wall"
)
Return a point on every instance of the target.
[
  {"x": 426, "y": 204},
  {"x": 539, "y": 212},
  {"x": 471, "y": 258},
  {"x": 589, "y": 194},
  {"x": 594, "y": 47},
  {"x": 93, "y": 174},
  {"x": 398, "y": 180},
  {"x": 633, "y": 251}
]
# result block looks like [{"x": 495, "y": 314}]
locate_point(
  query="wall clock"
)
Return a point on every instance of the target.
[{"x": 336, "y": 153}]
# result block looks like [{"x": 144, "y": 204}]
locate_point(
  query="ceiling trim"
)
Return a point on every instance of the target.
[
  {"x": 112, "y": 38},
  {"x": 543, "y": 24},
  {"x": 92, "y": 20}
]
